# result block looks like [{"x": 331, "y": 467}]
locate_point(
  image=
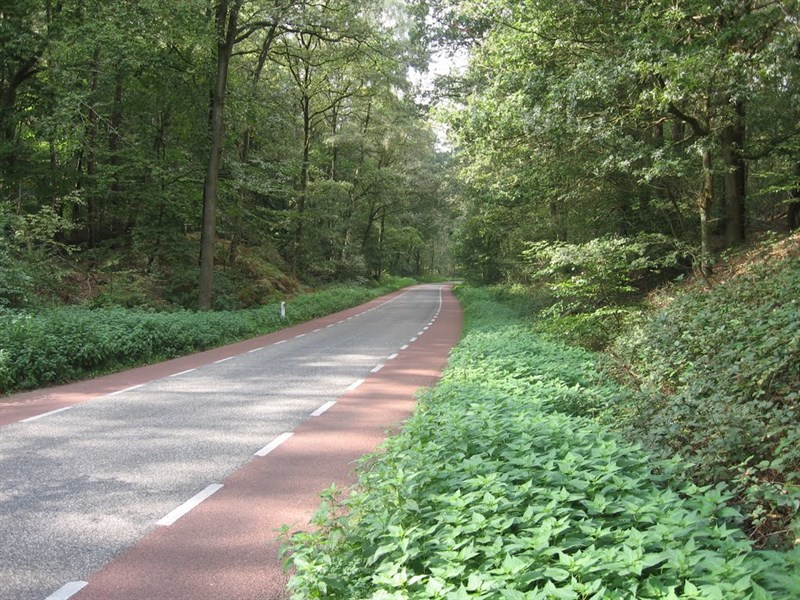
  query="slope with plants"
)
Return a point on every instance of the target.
[
  {"x": 715, "y": 377},
  {"x": 499, "y": 488}
]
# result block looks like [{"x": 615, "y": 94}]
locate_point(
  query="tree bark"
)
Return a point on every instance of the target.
[
  {"x": 705, "y": 202},
  {"x": 227, "y": 14},
  {"x": 793, "y": 215},
  {"x": 735, "y": 178}
]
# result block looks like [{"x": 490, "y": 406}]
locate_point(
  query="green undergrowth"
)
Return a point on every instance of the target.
[
  {"x": 501, "y": 487},
  {"x": 716, "y": 376},
  {"x": 57, "y": 345}
]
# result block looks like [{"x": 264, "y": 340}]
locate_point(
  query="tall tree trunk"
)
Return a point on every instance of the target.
[
  {"x": 92, "y": 209},
  {"x": 793, "y": 215},
  {"x": 299, "y": 230},
  {"x": 735, "y": 178},
  {"x": 227, "y": 14},
  {"x": 115, "y": 147},
  {"x": 705, "y": 203},
  {"x": 351, "y": 196}
]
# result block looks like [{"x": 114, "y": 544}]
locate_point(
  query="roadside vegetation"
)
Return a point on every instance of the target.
[
  {"x": 663, "y": 467},
  {"x": 55, "y": 345},
  {"x": 505, "y": 485}
]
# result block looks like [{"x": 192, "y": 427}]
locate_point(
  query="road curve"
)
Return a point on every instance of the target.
[{"x": 175, "y": 489}]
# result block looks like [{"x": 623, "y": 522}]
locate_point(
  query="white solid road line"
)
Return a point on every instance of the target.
[
  {"x": 274, "y": 444},
  {"x": 323, "y": 408},
  {"x": 47, "y": 414},
  {"x": 189, "y": 505},
  {"x": 68, "y": 590}
]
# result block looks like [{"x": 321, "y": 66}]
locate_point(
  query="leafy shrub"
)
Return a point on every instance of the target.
[
  {"x": 717, "y": 376},
  {"x": 493, "y": 491},
  {"x": 62, "y": 344},
  {"x": 596, "y": 285}
]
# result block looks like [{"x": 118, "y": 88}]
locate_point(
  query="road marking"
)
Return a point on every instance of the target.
[
  {"x": 354, "y": 385},
  {"x": 300, "y": 335},
  {"x": 376, "y": 369},
  {"x": 342, "y": 321},
  {"x": 47, "y": 414},
  {"x": 412, "y": 340},
  {"x": 274, "y": 444},
  {"x": 331, "y": 325},
  {"x": 404, "y": 347},
  {"x": 426, "y": 328},
  {"x": 221, "y": 360},
  {"x": 135, "y": 387},
  {"x": 68, "y": 590},
  {"x": 281, "y": 342},
  {"x": 255, "y": 350},
  {"x": 317, "y": 330},
  {"x": 421, "y": 332},
  {"x": 183, "y": 372},
  {"x": 323, "y": 408},
  {"x": 188, "y": 505},
  {"x": 393, "y": 356}
]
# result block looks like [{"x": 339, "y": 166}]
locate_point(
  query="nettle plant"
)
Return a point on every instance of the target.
[
  {"x": 596, "y": 286},
  {"x": 493, "y": 491}
]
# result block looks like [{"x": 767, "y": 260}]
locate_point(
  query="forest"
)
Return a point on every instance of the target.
[
  {"x": 615, "y": 184},
  {"x": 211, "y": 154}
]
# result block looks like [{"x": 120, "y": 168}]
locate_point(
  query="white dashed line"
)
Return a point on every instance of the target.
[
  {"x": 412, "y": 340},
  {"x": 281, "y": 342},
  {"x": 376, "y": 369},
  {"x": 323, "y": 408},
  {"x": 317, "y": 330},
  {"x": 222, "y": 360},
  {"x": 191, "y": 503},
  {"x": 354, "y": 385},
  {"x": 329, "y": 326},
  {"x": 135, "y": 387},
  {"x": 404, "y": 347},
  {"x": 43, "y": 415},
  {"x": 421, "y": 332},
  {"x": 274, "y": 444},
  {"x": 300, "y": 335},
  {"x": 183, "y": 372},
  {"x": 255, "y": 350},
  {"x": 68, "y": 590},
  {"x": 392, "y": 356}
]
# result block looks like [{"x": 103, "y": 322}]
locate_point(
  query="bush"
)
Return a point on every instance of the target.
[
  {"x": 596, "y": 286},
  {"x": 494, "y": 491}
]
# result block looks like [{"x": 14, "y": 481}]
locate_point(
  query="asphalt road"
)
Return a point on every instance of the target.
[{"x": 82, "y": 485}]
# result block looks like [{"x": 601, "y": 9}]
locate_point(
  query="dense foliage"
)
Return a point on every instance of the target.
[
  {"x": 596, "y": 287},
  {"x": 496, "y": 489},
  {"x": 62, "y": 344},
  {"x": 578, "y": 119},
  {"x": 716, "y": 375}
]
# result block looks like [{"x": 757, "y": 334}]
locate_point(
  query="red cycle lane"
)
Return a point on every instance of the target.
[{"x": 228, "y": 546}]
